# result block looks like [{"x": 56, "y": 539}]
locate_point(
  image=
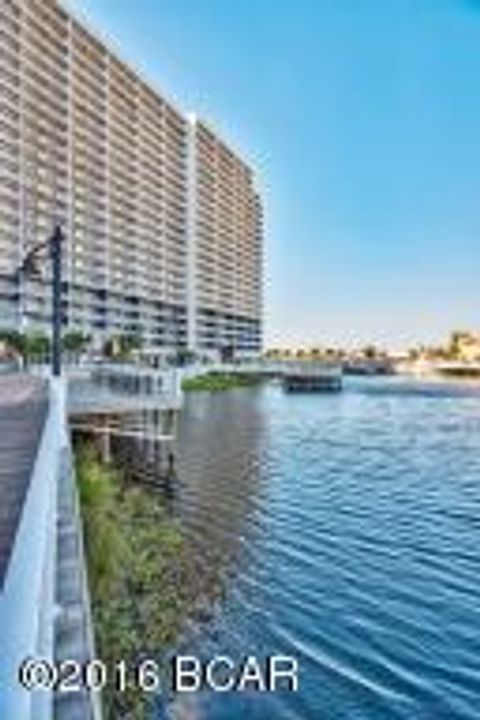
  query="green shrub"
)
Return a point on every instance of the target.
[
  {"x": 138, "y": 574},
  {"x": 214, "y": 382}
]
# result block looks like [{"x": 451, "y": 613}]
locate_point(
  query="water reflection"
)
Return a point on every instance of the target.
[
  {"x": 221, "y": 442},
  {"x": 342, "y": 530},
  {"x": 345, "y": 532}
]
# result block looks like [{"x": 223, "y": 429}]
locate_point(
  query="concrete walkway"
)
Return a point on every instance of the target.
[{"x": 23, "y": 409}]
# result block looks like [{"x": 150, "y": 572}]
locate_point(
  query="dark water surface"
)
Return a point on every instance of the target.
[{"x": 343, "y": 530}]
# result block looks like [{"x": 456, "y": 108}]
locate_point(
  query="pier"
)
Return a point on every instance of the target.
[
  {"x": 295, "y": 376},
  {"x": 312, "y": 377},
  {"x": 129, "y": 403}
]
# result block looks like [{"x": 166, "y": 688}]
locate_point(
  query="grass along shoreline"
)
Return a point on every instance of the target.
[
  {"x": 215, "y": 382},
  {"x": 138, "y": 570}
]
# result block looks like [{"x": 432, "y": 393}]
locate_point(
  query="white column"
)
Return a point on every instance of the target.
[
  {"x": 22, "y": 304},
  {"x": 191, "y": 233},
  {"x": 70, "y": 176}
]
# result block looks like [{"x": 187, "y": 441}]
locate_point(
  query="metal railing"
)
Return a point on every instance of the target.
[{"x": 120, "y": 388}]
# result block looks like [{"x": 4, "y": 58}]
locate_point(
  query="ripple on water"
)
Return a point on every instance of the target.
[{"x": 346, "y": 532}]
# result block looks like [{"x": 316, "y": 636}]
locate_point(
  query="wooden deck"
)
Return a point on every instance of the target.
[{"x": 23, "y": 409}]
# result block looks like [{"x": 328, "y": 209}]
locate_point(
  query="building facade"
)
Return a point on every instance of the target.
[
  {"x": 162, "y": 221},
  {"x": 226, "y": 250}
]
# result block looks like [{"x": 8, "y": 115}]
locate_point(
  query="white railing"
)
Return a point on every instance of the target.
[{"x": 124, "y": 387}]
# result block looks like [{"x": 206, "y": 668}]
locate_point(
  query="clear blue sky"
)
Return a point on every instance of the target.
[{"x": 363, "y": 119}]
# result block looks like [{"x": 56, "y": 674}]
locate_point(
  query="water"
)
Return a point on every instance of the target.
[{"x": 343, "y": 530}]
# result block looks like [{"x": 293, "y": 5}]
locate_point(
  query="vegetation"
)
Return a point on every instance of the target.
[
  {"x": 75, "y": 342},
  {"x": 138, "y": 573},
  {"x": 220, "y": 381},
  {"x": 35, "y": 346},
  {"x": 29, "y": 347},
  {"x": 122, "y": 347},
  {"x": 464, "y": 345},
  {"x": 370, "y": 352}
]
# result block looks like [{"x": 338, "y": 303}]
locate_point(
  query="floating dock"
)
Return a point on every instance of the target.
[{"x": 312, "y": 377}]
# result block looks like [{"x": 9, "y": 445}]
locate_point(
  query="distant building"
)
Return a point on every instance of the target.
[
  {"x": 162, "y": 219},
  {"x": 465, "y": 346}
]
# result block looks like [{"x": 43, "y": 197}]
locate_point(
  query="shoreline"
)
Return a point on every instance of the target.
[
  {"x": 218, "y": 382},
  {"x": 141, "y": 583}
]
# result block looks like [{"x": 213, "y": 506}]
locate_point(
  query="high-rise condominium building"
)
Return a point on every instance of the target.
[
  {"x": 225, "y": 255},
  {"x": 162, "y": 220}
]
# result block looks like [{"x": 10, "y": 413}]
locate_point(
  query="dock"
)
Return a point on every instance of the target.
[{"x": 312, "y": 377}]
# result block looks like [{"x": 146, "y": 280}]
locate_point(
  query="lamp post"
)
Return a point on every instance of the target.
[
  {"x": 54, "y": 247},
  {"x": 56, "y": 257}
]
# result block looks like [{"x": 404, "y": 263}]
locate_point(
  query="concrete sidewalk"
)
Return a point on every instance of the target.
[{"x": 23, "y": 409}]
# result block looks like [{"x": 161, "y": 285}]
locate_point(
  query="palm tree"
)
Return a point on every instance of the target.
[
  {"x": 75, "y": 342},
  {"x": 32, "y": 346},
  {"x": 37, "y": 347},
  {"x": 370, "y": 352}
]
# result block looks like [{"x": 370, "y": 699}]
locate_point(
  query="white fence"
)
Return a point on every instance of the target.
[{"x": 118, "y": 388}]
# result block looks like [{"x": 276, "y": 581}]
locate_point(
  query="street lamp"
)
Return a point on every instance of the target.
[{"x": 54, "y": 247}]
